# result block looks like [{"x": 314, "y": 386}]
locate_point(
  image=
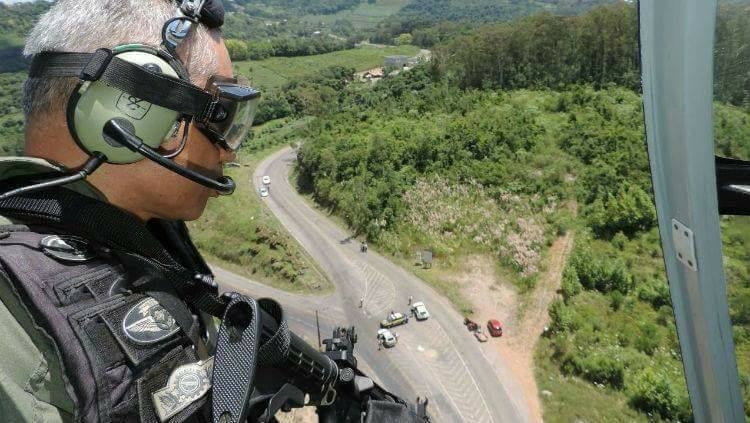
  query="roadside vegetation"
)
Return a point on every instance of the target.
[
  {"x": 241, "y": 234},
  {"x": 481, "y": 151}
]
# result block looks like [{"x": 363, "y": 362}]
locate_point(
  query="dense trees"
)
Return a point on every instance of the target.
[
  {"x": 315, "y": 7},
  {"x": 11, "y": 117},
  {"x": 732, "y": 81},
  {"x": 285, "y": 46},
  {"x": 491, "y": 10},
  {"x": 312, "y": 96},
  {"x": 544, "y": 50}
]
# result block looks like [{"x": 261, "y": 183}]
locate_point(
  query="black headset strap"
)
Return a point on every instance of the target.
[
  {"x": 102, "y": 65},
  {"x": 109, "y": 226}
]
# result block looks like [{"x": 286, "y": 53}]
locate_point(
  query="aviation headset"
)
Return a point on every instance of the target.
[{"x": 132, "y": 98}]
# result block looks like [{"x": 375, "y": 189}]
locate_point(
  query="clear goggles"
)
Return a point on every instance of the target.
[{"x": 235, "y": 103}]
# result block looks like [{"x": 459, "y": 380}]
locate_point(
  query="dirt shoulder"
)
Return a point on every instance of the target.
[{"x": 523, "y": 323}]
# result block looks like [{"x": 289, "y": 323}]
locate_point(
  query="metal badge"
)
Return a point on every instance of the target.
[
  {"x": 67, "y": 248},
  {"x": 148, "y": 322},
  {"x": 186, "y": 384}
]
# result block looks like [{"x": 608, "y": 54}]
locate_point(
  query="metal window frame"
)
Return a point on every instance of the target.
[{"x": 677, "y": 40}]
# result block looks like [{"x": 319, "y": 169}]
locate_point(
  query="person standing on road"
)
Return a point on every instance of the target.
[
  {"x": 410, "y": 299},
  {"x": 361, "y": 302}
]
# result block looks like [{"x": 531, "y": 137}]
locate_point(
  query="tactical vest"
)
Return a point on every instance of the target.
[{"x": 118, "y": 345}]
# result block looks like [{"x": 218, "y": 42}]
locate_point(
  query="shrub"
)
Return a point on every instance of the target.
[
  {"x": 652, "y": 391},
  {"x": 649, "y": 339},
  {"x": 599, "y": 367},
  {"x": 619, "y": 240},
  {"x": 561, "y": 316},
  {"x": 599, "y": 274},
  {"x": 616, "y": 298},
  {"x": 570, "y": 285},
  {"x": 655, "y": 292}
]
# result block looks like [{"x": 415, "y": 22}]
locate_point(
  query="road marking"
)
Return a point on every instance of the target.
[
  {"x": 468, "y": 372},
  {"x": 452, "y": 364},
  {"x": 444, "y": 389}
]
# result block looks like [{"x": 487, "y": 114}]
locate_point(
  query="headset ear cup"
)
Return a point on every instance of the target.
[{"x": 93, "y": 104}]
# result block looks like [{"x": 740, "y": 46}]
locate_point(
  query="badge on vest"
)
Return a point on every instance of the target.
[
  {"x": 148, "y": 322},
  {"x": 186, "y": 384},
  {"x": 67, "y": 248}
]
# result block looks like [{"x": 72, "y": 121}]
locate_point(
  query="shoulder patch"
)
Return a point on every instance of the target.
[
  {"x": 148, "y": 322},
  {"x": 67, "y": 248}
]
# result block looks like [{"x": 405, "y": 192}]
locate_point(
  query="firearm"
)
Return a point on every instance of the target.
[{"x": 328, "y": 380}]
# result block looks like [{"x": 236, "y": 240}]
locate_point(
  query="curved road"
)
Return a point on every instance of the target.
[{"x": 437, "y": 358}]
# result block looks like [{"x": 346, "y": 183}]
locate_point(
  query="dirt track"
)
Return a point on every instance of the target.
[{"x": 492, "y": 298}]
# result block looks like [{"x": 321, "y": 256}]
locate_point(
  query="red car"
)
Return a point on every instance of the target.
[{"x": 494, "y": 327}]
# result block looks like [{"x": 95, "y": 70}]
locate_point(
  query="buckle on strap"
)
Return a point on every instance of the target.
[{"x": 97, "y": 64}]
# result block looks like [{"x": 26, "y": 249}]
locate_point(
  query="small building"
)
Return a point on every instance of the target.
[{"x": 372, "y": 75}]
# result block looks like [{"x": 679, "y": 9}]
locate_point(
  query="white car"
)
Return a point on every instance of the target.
[
  {"x": 389, "y": 338},
  {"x": 266, "y": 180},
  {"x": 263, "y": 192},
  {"x": 420, "y": 311}
]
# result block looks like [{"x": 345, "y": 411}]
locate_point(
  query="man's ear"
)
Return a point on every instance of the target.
[{"x": 175, "y": 142}]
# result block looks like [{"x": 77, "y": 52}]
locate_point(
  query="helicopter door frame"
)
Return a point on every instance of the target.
[{"x": 677, "y": 42}]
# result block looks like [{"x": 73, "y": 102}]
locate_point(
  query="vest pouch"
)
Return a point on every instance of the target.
[
  {"x": 116, "y": 347},
  {"x": 76, "y": 290}
]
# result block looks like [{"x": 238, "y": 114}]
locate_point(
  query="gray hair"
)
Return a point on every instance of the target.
[{"x": 86, "y": 25}]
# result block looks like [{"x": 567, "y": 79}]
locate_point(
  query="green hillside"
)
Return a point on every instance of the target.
[
  {"x": 271, "y": 74},
  {"x": 366, "y": 15},
  {"x": 492, "y": 10},
  {"x": 497, "y": 167}
]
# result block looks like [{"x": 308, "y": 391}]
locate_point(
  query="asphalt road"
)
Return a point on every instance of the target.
[{"x": 437, "y": 358}]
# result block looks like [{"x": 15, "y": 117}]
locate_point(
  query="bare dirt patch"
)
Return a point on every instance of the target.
[
  {"x": 298, "y": 415},
  {"x": 494, "y": 298}
]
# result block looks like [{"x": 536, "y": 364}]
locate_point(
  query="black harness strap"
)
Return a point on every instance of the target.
[
  {"x": 239, "y": 348},
  {"x": 111, "y": 227}
]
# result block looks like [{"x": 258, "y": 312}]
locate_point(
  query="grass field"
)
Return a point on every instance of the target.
[
  {"x": 270, "y": 74},
  {"x": 363, "y": 16}
]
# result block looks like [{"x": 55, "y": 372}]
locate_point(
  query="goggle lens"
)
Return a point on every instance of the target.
[{"x": 232, "y": 117}]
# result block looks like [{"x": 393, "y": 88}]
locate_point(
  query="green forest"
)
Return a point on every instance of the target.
[
  {"x": 516, "y": 133},
  {"x": 510, "y": 138}
]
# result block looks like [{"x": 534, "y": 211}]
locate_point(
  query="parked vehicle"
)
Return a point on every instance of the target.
[
  {"x": 419, "y": 311},
  {"x": 394, "y": 319},
  {"x": 388, "y": 338},
  {"x": 470, "y": 324},
  {"x": 494, "y": 327},
  {"x": 266, "y": 180},
  {"x": 263, "y": 192},
  {"x": 480, "y": 335}
]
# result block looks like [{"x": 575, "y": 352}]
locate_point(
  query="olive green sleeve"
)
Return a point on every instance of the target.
[{"x": 31, "y": 377}]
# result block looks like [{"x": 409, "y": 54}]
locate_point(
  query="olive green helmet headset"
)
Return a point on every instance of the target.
[
  {"x": 134, "y": 97},
  {"x": 94, "y": 103}
]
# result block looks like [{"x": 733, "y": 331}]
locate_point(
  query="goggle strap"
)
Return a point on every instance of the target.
[{"x": 160, "y": 89}]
